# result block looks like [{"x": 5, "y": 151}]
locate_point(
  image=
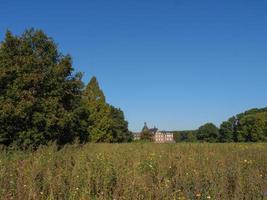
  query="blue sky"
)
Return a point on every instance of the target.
[{"x": 175, "y": 64}]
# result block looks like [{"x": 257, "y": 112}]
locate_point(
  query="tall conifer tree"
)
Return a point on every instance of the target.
[
  {"x": 100, "y": 115},
  {"x": 106, "y": 123}
]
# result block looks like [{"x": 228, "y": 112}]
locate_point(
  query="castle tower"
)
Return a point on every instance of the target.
[{"x": 145, "y": 128}]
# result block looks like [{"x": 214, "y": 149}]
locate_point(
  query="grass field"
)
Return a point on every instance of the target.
[{"x": 136, "y": 171}]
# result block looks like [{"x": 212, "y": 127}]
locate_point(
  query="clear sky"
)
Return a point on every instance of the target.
[{"x": 173, "y": 63}]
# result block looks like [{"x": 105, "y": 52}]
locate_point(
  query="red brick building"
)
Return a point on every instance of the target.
[
  {"x": 157, "y": 136},
  {"x": 163, "y": 137}
]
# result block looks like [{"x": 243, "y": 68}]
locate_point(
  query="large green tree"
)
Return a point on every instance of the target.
[
  {"x": 208, "y": 133},
  {"x": 119, "y": 126},
  {"x": 252, "y": 128},
  {"x": 227, "y": 129},
  {"x": 38, "y": 91},
  {"x": 185, "y": 136},
  {"x": 100, "y": 113},
  {"x": 106, "y": 123}
]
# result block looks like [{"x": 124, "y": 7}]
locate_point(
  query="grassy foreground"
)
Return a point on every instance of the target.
[{"x": 136, "y": 171}]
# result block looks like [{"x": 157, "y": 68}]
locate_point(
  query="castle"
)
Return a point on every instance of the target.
[{"x": 157, "y": 135}]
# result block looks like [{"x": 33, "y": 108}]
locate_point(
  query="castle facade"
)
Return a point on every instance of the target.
[{"x": 157, "y": 135}]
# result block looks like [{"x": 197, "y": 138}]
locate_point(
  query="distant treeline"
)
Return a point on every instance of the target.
[
  {"x": 250, "y": 126},
  {"x": 42, "y": 100}
]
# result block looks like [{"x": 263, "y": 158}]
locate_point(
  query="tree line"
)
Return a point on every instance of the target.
[
  {"x": 42, "y": 100},
  {"x": 250, "y": 126}
]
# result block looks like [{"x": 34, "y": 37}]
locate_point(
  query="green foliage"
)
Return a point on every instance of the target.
[
  {"x": 119, "y": 126},
  {"x": 227, "y": 131},
  {"x": 250, "y": 126},
  {"x": 106, "y": 123},
  {"x": 41, "y": 100},
  {"x": 177, "y": 136},
  {"x": 191, "y": 137},
  {"x": 99, "y": 118},
  {"x": 185, "y": 136},
  {"x": 146, "y": 135},
  {"x": 38, "y": 91},
  {"x": 208, "y": 133}
]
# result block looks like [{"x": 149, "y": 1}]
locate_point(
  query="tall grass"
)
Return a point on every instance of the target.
[{"x": 136, "y": 171}]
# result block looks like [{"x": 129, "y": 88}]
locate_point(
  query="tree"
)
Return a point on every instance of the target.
[
  {"x": 38, "y": 91},
  {"x": 208, "y": 133},
  {"x": 100, "y": 121},
  {"x": 191, "y": 137},
  {"x": 185, "y": 136},
  {"x": 177, "y": 136},
  {"x": 227, "y": 130},
  {"x": 105, "y": 123},
  {"x": 119, "y": 126},
  {"x": 146, "y": 135},
  {"x": 252, "y": 127}
]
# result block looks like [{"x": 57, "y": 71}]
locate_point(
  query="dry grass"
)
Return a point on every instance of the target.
[{"x": 136, "y": 171}]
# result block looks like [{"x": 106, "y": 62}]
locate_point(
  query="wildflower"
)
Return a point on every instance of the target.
[
  {"x": 245, "y": 161},
  {"x": 24, "y": 185},
  {"x": 77, "y": 188},
  {"x": 198, "y": 195},
  {"x": 208, "y": 197},
  {"x": 41, "y": 193}
]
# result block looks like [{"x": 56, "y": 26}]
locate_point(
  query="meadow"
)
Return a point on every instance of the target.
[{"x": 135, "y": 171}]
